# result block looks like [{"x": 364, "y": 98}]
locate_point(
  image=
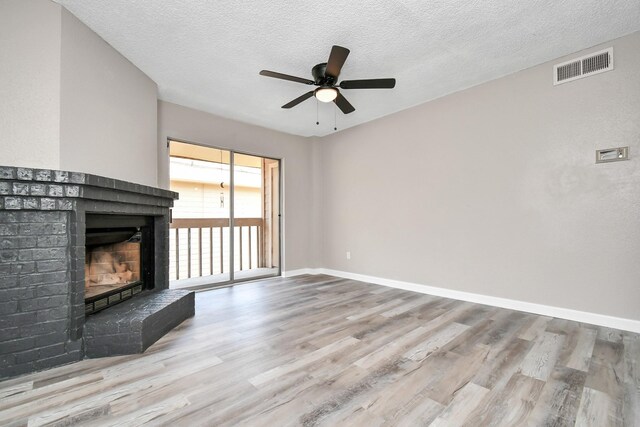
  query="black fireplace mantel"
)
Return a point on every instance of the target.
[{"x": 42, "y": 252}]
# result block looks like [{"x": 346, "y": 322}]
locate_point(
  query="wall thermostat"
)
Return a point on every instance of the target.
[{"x": 612, "y": 155}]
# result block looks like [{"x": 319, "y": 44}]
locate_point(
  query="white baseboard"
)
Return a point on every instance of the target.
[{"x": 545, "y": 310}]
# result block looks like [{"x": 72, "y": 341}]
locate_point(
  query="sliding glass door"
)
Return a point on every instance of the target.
[
  {"x": 226, "y": 223},
  {"x": 256, "y": 216}
]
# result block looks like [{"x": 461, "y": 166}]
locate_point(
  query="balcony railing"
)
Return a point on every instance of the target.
[{"x": 206, "y": 242}]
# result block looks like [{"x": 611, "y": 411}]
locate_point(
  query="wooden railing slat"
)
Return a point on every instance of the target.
[
  {"x": 258, "y": 242},
  {"x": 211, "y": 251},
  {"x": 250, "y": 228},
  {"x": 177, "y": 253},
  {"x": 240, "y": 248},
  {"x": 189, "y": 253},
  {"x": 221, "y": 251},
  {"x": 200, "y": 250}
]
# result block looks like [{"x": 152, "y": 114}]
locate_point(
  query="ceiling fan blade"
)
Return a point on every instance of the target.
[
  {"x": 368, "y": 84},
  {"x": 275, "y": 75},
  {"x": 343, "y": 104},
  {"x": 298, "y": 100},
  {"x": 336, "y": 60}
]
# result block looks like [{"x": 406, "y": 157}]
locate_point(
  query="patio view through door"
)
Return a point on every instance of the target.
[{"x": 226, "y": 224}]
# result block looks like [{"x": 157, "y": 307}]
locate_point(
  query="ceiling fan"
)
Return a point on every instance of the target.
[{"x": 325, "y": 76}]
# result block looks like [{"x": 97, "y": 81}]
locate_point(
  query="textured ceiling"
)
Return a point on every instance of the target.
[{"x": 207, "y": 54}]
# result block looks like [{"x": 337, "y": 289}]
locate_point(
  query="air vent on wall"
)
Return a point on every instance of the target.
[{"x": 584, "y": 66}]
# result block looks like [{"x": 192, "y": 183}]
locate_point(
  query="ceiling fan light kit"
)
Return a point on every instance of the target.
[
  {"x": 326, "y": 94},
  {"x": 325, "y": 75}
]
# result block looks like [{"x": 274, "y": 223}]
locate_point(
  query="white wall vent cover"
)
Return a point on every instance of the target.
[{"x": 585, "y": 66}]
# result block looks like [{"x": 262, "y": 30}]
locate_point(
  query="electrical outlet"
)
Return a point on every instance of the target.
[{"x": 348, "y": 254}]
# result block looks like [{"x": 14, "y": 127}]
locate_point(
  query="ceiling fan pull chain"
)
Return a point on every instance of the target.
[
  {"x": 335, "y": 127},
  {"x": 317, "y": 121}
]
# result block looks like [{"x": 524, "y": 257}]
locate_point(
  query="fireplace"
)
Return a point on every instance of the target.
[
  {"x": 84, "y": 268},
  {"x": 118, "y": 259}
]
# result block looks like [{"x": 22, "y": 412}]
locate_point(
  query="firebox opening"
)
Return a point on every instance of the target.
[
  {"x": 112, "y": 266},
  {"x": 116, "y": 260}
]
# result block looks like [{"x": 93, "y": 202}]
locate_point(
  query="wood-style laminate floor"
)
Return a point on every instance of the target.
[{"x": 317, "y": 350}]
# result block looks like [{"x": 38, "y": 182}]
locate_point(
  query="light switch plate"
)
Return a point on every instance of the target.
[{"x": 612, "y": 155}]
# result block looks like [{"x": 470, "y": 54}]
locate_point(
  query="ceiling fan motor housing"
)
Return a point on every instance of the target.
[{"x": 318, "y": 73}]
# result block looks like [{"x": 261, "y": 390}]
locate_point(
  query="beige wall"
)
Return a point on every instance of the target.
[
  {"x": 30, "y": 83},
  {"x": 108, "y": 109},
  {"x": 186, "y": 124},
  {"x": 494, "y": 190},
  {"x": 69, "y": 100}
]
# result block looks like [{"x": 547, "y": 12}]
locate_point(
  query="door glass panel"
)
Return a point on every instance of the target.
[
  {"x": 199, "y": 236},
  {"x": 256, "y": 216}
]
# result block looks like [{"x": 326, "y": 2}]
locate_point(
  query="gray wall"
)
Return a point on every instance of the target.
[
  {"x": 190, "y": 125},
  {"x": 108, "y": 122},
  {"x": 491, "y": 190},
  {"x": 494, "y": 190},
  {"x": 30, "y": 83}
]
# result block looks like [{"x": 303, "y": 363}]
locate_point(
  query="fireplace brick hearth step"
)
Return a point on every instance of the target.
[{"x": 132, "y": 326}]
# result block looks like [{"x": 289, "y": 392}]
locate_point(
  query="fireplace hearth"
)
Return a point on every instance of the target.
[{"x": 80, "y": 254}]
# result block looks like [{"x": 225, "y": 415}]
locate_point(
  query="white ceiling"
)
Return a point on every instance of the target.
[{"x": 207, "y": 54}]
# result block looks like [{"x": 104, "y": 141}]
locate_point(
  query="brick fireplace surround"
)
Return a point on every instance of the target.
[{"x": 42, "y": 255}]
